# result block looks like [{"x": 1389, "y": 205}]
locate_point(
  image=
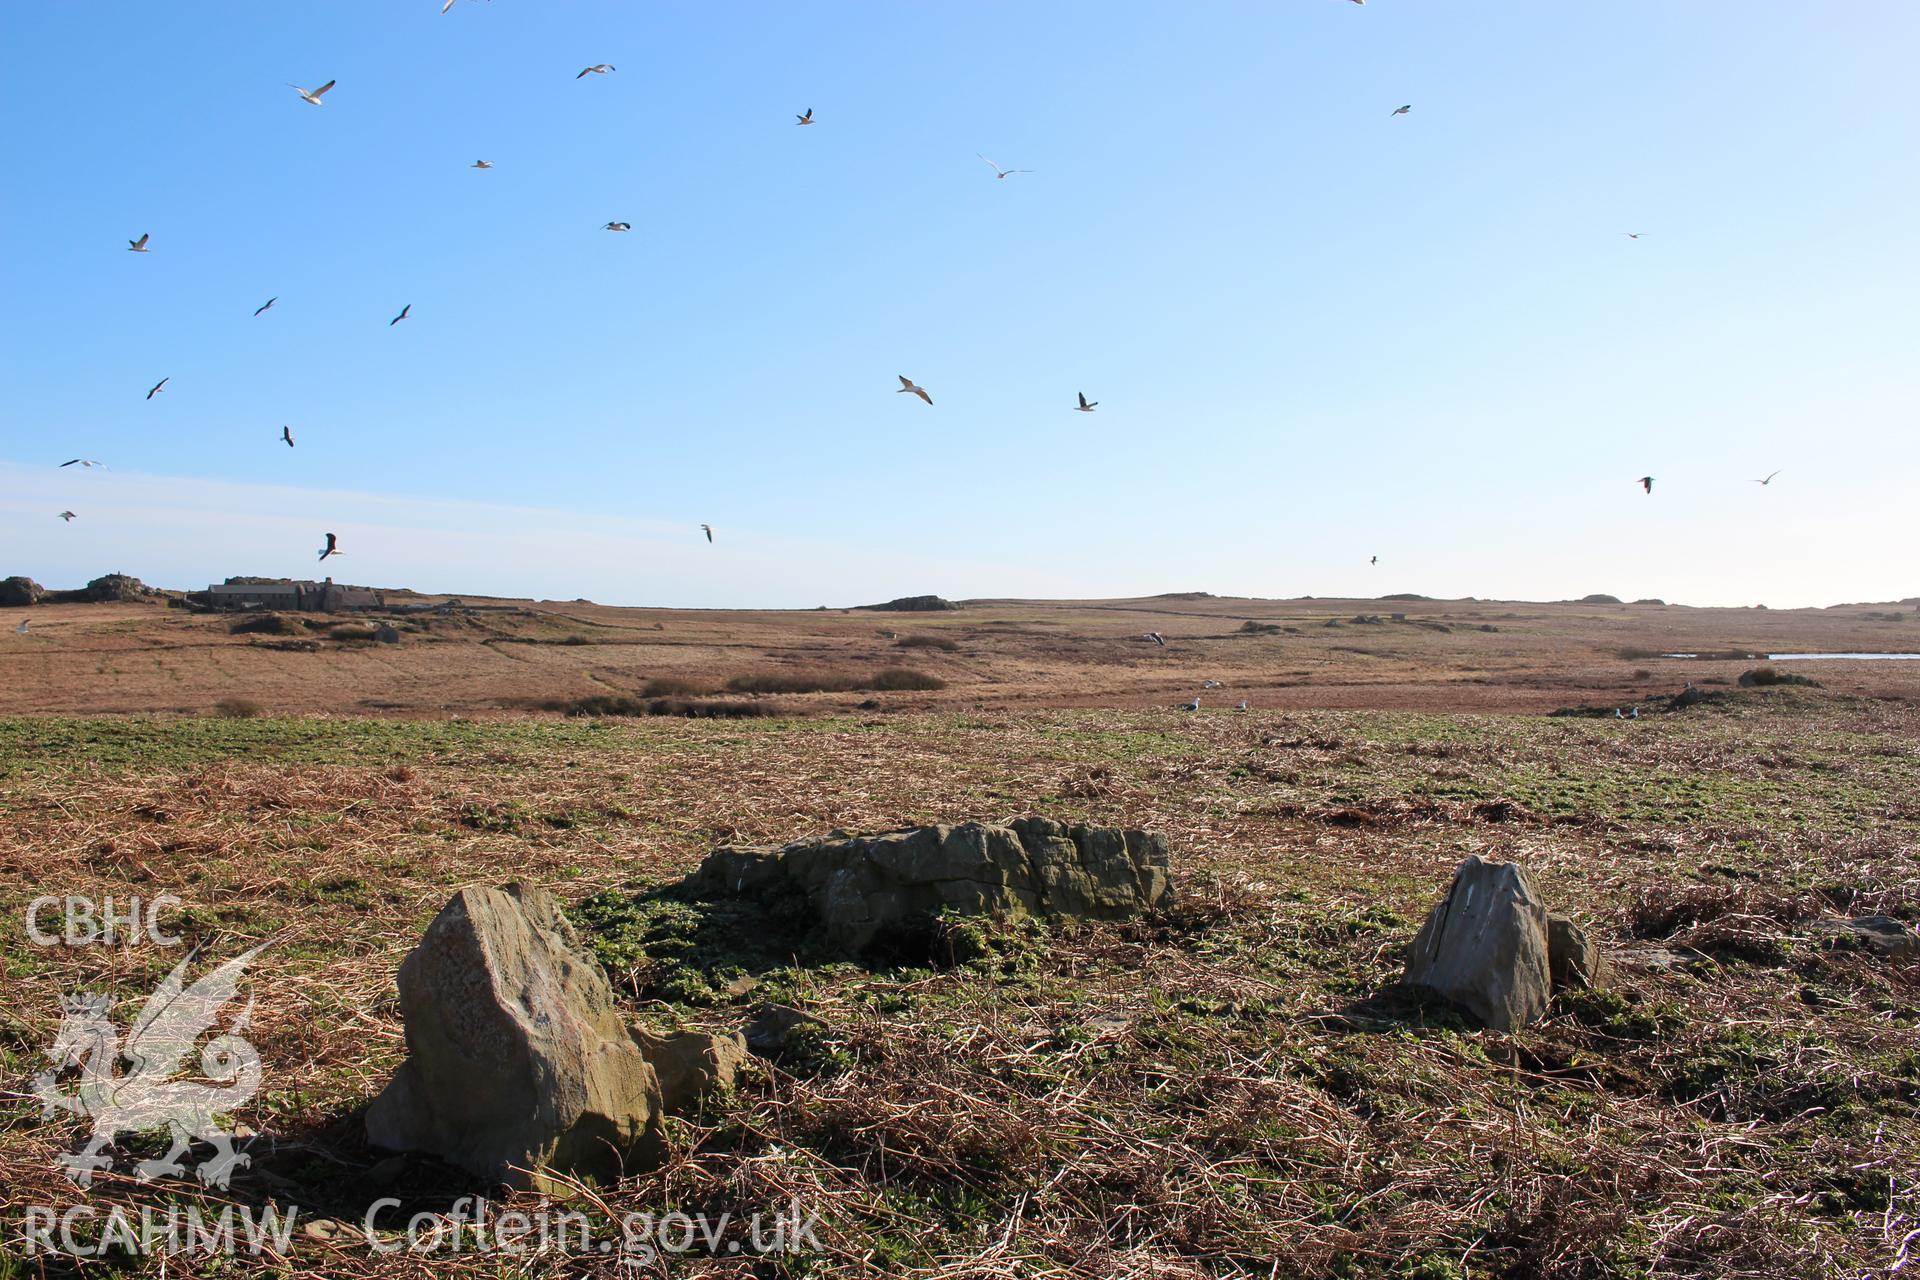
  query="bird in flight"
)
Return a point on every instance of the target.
[
  {"x": 482, "y": 164},
  {"x": 313, "y": 97},
  {"x": 402, "y": 316},
  {"x": 140, "y": 245},
  {"x": 156, "y": 386},
  {"x": 269, "y": 302},
  {"x": 1400, "y": 111},
  {"x": 998, "y": 172},
  {"x": 597, "y": 69},
  {"x": 1375, "y": 560},
  {"x": 1645, "y": 482},
  {"x": 88, "y": 463},
  {"x": 286, "y": 434},
  {"x": 1768, "y": 480},
  {"x": 67, "y": 516},
  {"x": 1633, "y": 235},
  {"x": 21, "y": 630},
  {"x": 332, "y": 548},
  {"x": 805, "y": 119},
  {"x": 1157, "y": 638},
  {"x": 708, "y": 530},
  {"x": 618, "y": 226},
  {"x": 906, "y": 385},
  {"x": 1085, "y": 405}
]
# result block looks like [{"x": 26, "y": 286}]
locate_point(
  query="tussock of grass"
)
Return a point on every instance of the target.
[
  {"x": 237, "y": 709},
  {"x": 675, "y": 687},
  {"x": 885, "y": 680},
  {"x": 922, "y": 640}
]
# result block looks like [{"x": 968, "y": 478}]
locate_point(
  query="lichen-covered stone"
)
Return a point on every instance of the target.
[
  {"x": 1485, "y": 946},
  {"x": 866, "y": 889}
]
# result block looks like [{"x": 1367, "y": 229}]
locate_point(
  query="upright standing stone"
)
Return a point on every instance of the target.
[{"x": 1485, "y": 946}]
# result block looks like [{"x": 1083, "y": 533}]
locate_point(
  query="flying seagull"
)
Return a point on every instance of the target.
[
  {"x": 1633, "y": 235},
  {"x": 1375, "y": 560},
  {"x": 1085, "y": 405},
  {"x": 1645, "y": 482},
  {"x": 332, "y": 548},
  {"x": 67, "y": 516},
  {"x": 708, "y": 529},
  {"x": 1211, "y": 684},
  {"x": 21, "y": 630},
  {"x": 313, "y": 97},
  {"x": 482, "y": 164},
  {"x": 1157, "y": 638},
  {"x": 906, "y": 385},
  {"x": 597, "y": 69},
  {"x": 618, "y": 226},
  {"x": 286, "y": 434},
  {"x": 402, "y": 316},
  {"x": 805, "y": 119},
  {"x": 156, "y": 386},
  {"x": 1768, "y": 480},
  {"x": 1400, "y": 111},
  {"x": 140, "y": 245},
  {"x": 269, "y": 302},
  {"x": 88, "y": 463},
  {"x": 998, "y": 172}
]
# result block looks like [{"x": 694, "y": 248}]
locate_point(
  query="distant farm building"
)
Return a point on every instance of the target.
[{"x": 292, "y": 597}]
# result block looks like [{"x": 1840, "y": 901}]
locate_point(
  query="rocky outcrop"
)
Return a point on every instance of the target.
[
  {"x": 18, "y": 593},
  {"x": 1882, "y": 935},
  {"x": 912, "y": 604},
  {"x": 869, "y": 891},
  {"x": 1492, "y": 947},
  {"x": 518, "y": 1062},
  {"x": 692, "y": 1065}
]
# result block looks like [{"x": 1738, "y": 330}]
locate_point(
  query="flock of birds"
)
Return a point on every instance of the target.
[{"x": 317, "y": 97}]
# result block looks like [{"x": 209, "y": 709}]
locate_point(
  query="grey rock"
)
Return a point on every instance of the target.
[
  {"x": 385, "y": 633},
  {"x": 1572, "y": 956},
  {"x": 691, "y": 1065},
  {"x": 18, "y": 592},
  {"x": 867, "y": 889},
  {"x": 1883, "y": 935},
  {"x": 767, "y": 1034},
  {"x": 1485, "y": 946},
  {"x": 518, "y": 1062}
]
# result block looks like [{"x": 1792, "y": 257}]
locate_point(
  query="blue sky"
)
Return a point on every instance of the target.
[{"x": 1317, "y": 333}]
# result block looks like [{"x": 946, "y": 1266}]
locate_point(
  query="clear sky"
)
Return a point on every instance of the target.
[{"x": 1317, "y": 333}]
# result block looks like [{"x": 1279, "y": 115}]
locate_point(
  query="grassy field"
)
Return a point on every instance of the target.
[{"x": 1234, "y": 1086}]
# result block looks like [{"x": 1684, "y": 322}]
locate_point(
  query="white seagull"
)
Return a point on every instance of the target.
[
  {"x": 1243, "y": 701},
  {"x": 1156, "y": 637},
  {"x": 618, "y": 226},
  {"x": 708, "y": 530},
  {"x": 21, "y": 630},
  {"x": 998, "y": 172},
  {"x": 482, "y": 164},
  {"x": 906, "y": 386},
  {"x": 1768, "y": 480},
  {"x": 1085, "y": 405},
  {"x": 156, "y": 386},
  {"x": 1192, "y": 706},
  {"x": 269, "y": 302},
  {"x": 1633, "y": 235},
  {"x": 597, "y": 69},
  {"x": 314, "y": 96},
  {"x": 67, "y": 516},
  {"x": 332, "y": 548},
  {"x": 404, "y": 313},
  {"x": 286, "y": 434},
  {"x": 88, "y": 463},
  {"x": 1400, "y": 111},
  {"x": 140, "y": 245}
]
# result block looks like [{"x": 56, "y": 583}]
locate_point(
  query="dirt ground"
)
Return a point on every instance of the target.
[{"x": 521, "y": 656}]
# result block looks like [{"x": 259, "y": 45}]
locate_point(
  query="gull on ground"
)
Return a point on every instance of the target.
[
  {"x": 67, "y": 516},
  {"x": 156, "y": 386},
  {"x": 998, "y": 172},
  {"x": 332, "y": 548},
  {"x": 805, "y": 119},
  {"x": 1243, "y": 701},
  {"x": 618, "y": 226},
  {"x": 21, "y": 630},
  {"x": 907, "y": 385},
  {"x": 1645, "y": 482},
  {"x": 708, "y": 530},
  {"x": 1768, "y": 480},
  {"x": 1191, "y": 706},
  {"x": 140, "y": 245},
  {"x": 313, "y": 97},
  {"x": 1085, "y": 405},
  {"x": 404, "y": 312},
  {"x": 286, "y": 434},
  {"x": 597, "y": 69},
  {"x": 269, "y": 302},
  {"x": 88, "y": 463},
  {"x": 1210, "y": 684}
]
